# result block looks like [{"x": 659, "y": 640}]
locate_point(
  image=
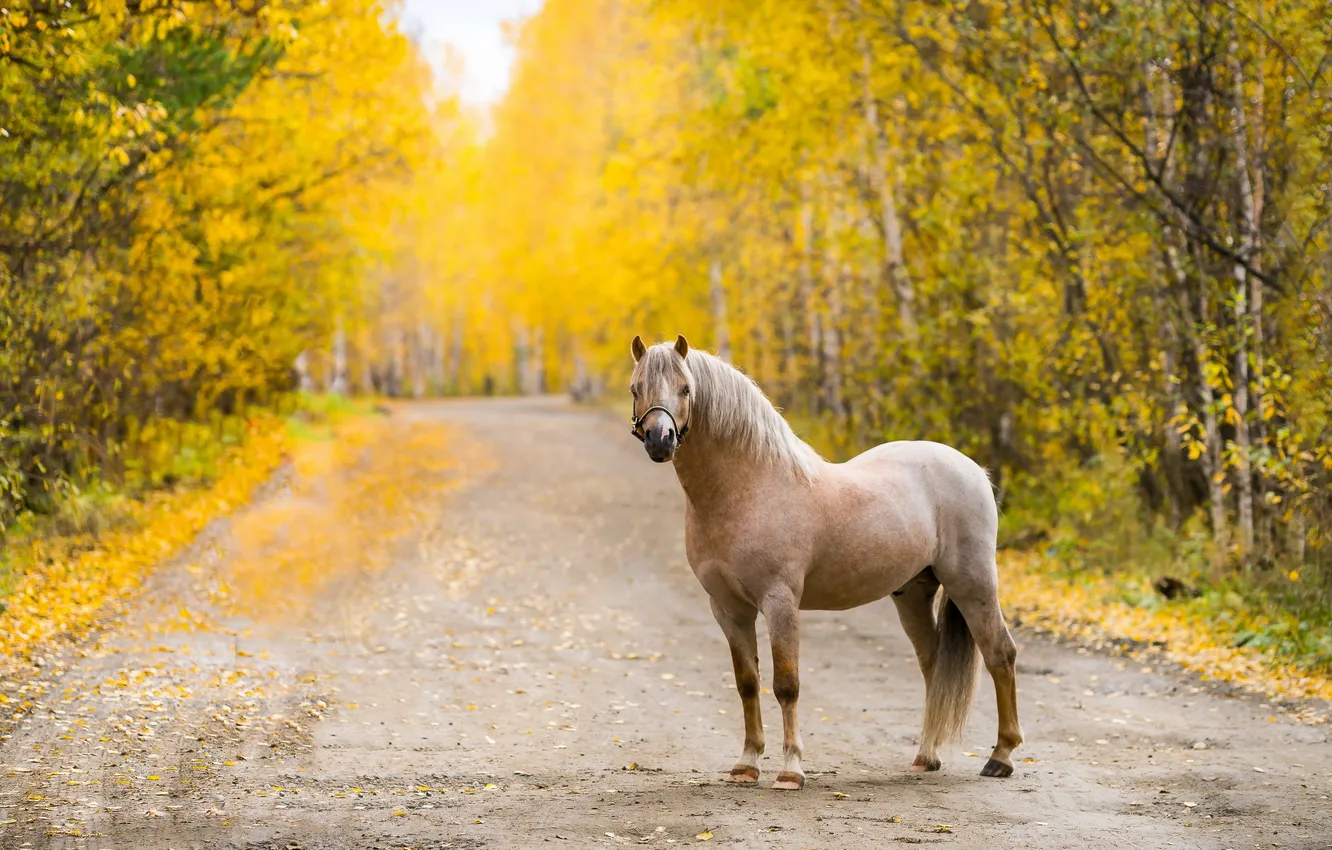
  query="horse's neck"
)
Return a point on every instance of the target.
[{"x": 713, "y": 474}]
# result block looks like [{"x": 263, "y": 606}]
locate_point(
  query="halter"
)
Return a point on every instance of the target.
[{"x": 637, "y": 422}]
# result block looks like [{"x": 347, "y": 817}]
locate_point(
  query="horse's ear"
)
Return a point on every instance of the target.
[
  {"x": 681, "y": 346},
  {"x": 638, "y": 348}
]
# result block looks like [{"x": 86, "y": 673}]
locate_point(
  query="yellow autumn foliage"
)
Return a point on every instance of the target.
[
  {"x": 71, "y": 586},
  {"x": 1092, "y": 610},
  {"x": 198, "y": 199},
  {"x": 350, "y": 503}
]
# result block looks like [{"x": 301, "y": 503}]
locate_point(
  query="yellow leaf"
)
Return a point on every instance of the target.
[{"x": 705, "y": 835}]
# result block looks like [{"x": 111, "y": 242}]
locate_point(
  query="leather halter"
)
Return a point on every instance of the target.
[{"x": 637, "y": 422}]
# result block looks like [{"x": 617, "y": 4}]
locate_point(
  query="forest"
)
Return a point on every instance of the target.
[
  {"x": 192, "y": 194},
  {"x": 1086, "y": 243}
]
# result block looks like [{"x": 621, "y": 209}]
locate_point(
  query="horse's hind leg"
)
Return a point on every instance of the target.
[
  {"x": 979, "y": 604},
  {"x": 739, "y": 631},
  {"x": 915, "y": 608}
]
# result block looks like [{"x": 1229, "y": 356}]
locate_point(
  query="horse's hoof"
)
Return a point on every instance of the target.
[
  {"x": 924, "y": 765},
  {"x": 994, "y": 767},
  {"x": 743, "y": 774},
  {"x": 787, "y": 781}
]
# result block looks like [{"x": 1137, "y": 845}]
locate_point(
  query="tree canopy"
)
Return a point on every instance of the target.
[{"x": 191, "y": 195}]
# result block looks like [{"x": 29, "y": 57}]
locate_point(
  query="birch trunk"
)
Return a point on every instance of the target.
[
  {"x": 880, "y": 174},
  {"x": 1249, "y": 236},
  {"x": 1192, "y": 327},
  {"x": 1172, "y": 451},
  {"x": 806, "y": 299},
  {"x": 420, "y": 355},
  {"x": 453, "y": 367},
  {"x": 303, "y": 380},
  {"x": 722, "y": 330},
  {"x": 538, "y": 355},
  {"x": 339, "y": 384},
  {"x": 521, "y": 363},
  {"x": 833, "y": 374}
]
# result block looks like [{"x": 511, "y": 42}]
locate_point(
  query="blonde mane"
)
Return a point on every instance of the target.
[{"x": 731, "y": 408}]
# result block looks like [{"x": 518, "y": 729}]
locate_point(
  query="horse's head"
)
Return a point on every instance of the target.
[{"x": 662, "y": 387}]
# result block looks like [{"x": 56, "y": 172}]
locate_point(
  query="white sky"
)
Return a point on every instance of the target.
[{"x": 472, "y": 28}]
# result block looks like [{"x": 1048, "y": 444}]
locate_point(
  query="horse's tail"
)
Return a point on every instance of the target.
[{"x": 953, "y": 680}]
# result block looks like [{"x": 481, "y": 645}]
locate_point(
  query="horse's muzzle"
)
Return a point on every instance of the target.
[{"x": 661, "y": 443}]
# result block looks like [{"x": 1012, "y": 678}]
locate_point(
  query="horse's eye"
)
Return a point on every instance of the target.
[
  {"x": 633, "y": 391},
  {"x": 684, "y": 391}
]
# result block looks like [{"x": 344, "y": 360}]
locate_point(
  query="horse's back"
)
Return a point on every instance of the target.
[
  {"x": 955, "y": 487},
  {"x": 923, "y": 456}
]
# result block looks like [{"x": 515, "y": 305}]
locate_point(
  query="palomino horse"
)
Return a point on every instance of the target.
[{"x": 771, "y": 528}]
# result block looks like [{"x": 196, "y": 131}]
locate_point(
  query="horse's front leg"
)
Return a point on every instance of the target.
[
  {"x": 783, "y": 616},
  {"x": 739, "y": 631}
]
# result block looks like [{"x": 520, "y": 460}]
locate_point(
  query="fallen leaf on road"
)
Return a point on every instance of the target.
[
  {"x": 705, "y": 835},
  {"x": 942, "y": 827}
]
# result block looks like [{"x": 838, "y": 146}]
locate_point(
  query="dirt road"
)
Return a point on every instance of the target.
[{"x": 538, "y": 667}]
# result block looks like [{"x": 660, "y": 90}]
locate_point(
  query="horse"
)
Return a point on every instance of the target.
[{"x": 771, "y": 528}]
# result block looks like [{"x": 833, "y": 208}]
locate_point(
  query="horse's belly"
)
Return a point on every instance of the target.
[
  {"x": 866, "y": 555},
  {"x": 838, "y": 590}
]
